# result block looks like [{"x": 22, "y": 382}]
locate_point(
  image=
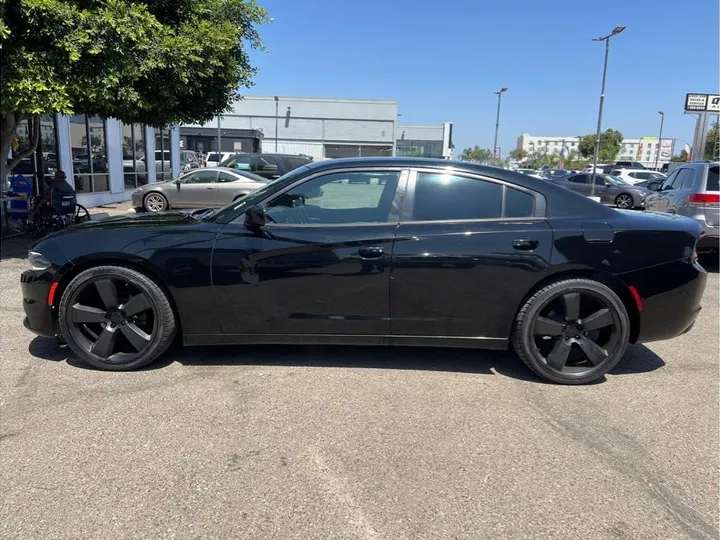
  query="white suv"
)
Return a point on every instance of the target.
[
  {"x": 214, "y": 158},
  {"x": 635, "y": 176}
]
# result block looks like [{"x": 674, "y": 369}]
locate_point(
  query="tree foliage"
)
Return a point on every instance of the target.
[
  {"x": 712, "y": 144},
  {"x": 610, "y": 144},
  {"x": 682, "y": 157},
  {"x": 156, "y": 62},
  {"x": 476, "y": 153},
  {"x": 518, "y": 154}
]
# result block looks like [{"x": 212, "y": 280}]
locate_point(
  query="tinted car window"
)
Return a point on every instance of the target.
[
  {"x": 267, "y": 164},
  {"x": 350, "y": 197},
  {"x": 295, "y": 162},
  {"x": 201, "y": 177},
  {"x": 518, "y": 203},
  {"x": 444, "y": 196},
  {"x": 712, "y": 179},
  {"x": 668, "y": 183},
  {"x": 685, "y": 179},
  {"x": 241, "y": 163},
  {"x": 213, "y": 156},
  {"x": 579, "y": 179},
  {"x": 224, "y": 177}
]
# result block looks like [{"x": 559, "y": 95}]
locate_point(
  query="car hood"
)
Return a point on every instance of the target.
[{"x": 145, "y": 220}]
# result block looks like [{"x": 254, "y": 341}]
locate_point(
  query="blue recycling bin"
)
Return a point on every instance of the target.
[{"x": 23, "y": 187}]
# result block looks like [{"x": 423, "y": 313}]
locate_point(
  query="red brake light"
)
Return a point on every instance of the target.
[{"x": 704, "y": 198}]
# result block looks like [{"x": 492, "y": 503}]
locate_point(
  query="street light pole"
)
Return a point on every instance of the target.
[
  {"x": 657, "y": 156},
  {"x": 276, "y": 123},
  {"x": 606, "y": 39},
  {"x": 219, "y": 138},
  {"x": 497, "y": 122}
]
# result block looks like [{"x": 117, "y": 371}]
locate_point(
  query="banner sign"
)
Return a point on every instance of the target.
[{"x": 702, "y": 103}]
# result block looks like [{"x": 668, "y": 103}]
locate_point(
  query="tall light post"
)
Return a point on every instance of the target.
[
  {"x": 219, "y": 138},
  {"x": 497, "y": 121},
  {"x": 606, "y": 39},
  {"x": 657, "y": 156}
]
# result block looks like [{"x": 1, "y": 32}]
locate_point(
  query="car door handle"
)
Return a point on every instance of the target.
[
  {"x": 371, "y": 252},
  {"x": 525, "y": 244},
  {"x": 208, "y": 188}
]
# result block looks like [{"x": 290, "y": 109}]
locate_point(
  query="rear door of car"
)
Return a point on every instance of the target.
[
  {"x": 467, "y": 250},
  {"x": 678, "y": 202},
  {"x": 269, "y": 167},
  {"x": 579, "y": 183}
]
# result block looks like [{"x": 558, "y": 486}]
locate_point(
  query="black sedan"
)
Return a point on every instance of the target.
[{"x": 375, "y": 251}]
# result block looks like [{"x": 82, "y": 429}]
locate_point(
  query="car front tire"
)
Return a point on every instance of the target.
[
  {"x": 572, "y": 331},
  {"x": 155, "y": 202},
  {"x": 625, "y": 201},
  {"x": 116, "y": 318}
]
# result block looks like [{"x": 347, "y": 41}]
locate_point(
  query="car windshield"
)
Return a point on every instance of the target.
[
  {"x": 615, "y": 180},
  {"x": 229, "y": 212}
]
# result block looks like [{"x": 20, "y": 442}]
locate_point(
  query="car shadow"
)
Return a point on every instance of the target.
[
  {"x": 637, "y": 359},
  {"x": 710, "y": 262},
  {"x": 15, "y": 247}
]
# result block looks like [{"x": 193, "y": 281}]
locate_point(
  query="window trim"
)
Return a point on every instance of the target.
[
  {"x": 395, "y": 205},
  {"x": 409, "y": 198}
]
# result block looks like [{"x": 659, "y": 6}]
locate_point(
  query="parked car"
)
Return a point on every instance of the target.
[
  {"x": 635, "y": 176},
  {"x": 479, "y": 257},
  {"x": 189, "y": 160},
  {"x": 199, "y": 188},
  {"x": 610, "y": 189},
  {"x": 213, "y": 159},
  {"x": 691, "y": 190},
  {"x": 266, "y": 165},
  {"x": 629, "y": 165}
]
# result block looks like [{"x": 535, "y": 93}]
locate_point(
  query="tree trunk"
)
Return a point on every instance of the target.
[{"x": 8, "y": 128}]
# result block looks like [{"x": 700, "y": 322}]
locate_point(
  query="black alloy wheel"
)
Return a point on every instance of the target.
[
  {"x": 81, "y": 214},
  {"x": 116, "y": 318},
  {"x": 572, "y": 331},
  {"x": 624, "y": 200}
]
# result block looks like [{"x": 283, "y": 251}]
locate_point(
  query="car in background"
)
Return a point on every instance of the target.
[
  {"x": 530, "y": 172},
  {"x": 635, "y": 176},
  {"x": 189, "y": 160},
  {"x": 610, "y": 189},
  {"x": 691, "y": 190},
  {"x": 213, "y": 159},
  {"x": 269, "y": 166},
  {"x": 198, "y": 188},
  {"x": 629, "y": 165}
]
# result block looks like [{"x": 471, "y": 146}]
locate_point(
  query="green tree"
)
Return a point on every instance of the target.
[
  {"x": 157, "y": 62},
  {"x": 712, "y": 144},
  {"x": 610, "y": 143},
  {"x": 476, "y": 154},
  {"x": 682, "y": 157},
  {"x": 518, "y": 154}
]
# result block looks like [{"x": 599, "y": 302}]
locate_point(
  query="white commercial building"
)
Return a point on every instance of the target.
[
  {"x": 317, "y": 127},
  {"x": 643, "y": 150}
]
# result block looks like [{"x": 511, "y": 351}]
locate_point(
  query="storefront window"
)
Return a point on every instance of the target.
[
  {"x": 352, "y": 150},
  {"x": 47, "y": 147},
  {"x": 430, "y": 149},
  {"x": 162, "y": 155},
  {"x": 134, "y": 162},
  {"x": 89, "y": 150}
]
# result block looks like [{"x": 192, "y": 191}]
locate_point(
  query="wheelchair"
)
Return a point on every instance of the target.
[{"x": 47, "y": 218}]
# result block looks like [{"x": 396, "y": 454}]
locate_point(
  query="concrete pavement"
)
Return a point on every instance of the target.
[{"x": 334, "y": 442}]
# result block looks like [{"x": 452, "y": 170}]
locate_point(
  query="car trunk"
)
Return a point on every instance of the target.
[{"x": 712, "y": 202}]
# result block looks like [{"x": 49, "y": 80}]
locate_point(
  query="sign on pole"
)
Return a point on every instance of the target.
[{"x": 695, "y": 103}]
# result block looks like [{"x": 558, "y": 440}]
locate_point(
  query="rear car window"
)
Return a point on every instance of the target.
[
  {"x": 440, "y": 197},
  {"x": 712, "y": 179},
  {"x": 518, "y": 203},
  {"x": 295, "y": 162},
  {"x": 213, "y": 156}
]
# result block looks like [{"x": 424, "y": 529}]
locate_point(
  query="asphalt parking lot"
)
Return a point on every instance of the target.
[{"x": 333, "y": 442}]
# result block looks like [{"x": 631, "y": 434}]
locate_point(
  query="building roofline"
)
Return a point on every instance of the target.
[{"x": 307, "y": 98}]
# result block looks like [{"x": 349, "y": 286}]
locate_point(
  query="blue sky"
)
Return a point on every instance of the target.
[{"x": 442, "y": 61}]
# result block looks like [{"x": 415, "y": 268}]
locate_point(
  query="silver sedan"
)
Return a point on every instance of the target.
[{"x": 199, "y": 188}]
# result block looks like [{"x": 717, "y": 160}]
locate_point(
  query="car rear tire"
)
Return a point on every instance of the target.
[
  {"x": 155, "y": 202},
  {"x": 624, "y": 200},
  {"x": 116, "y": 318},
  {"x": 572, "y": 331}
]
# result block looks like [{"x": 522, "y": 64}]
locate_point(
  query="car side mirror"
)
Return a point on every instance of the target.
[
  {"x": 255, "y": 217},
  {"x": 654, "y": 186}
]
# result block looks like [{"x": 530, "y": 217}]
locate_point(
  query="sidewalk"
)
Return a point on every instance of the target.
[{"x": 113, "y": 209}]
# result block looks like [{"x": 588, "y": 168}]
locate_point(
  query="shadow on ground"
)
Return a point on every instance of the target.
[
  {"x": 16, "y": 247},
  {"x": 638, "y": 358},
  {"x": 710, "y": 263}
]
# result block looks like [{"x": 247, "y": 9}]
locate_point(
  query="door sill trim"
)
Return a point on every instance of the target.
[{"x": 474, "y": 342}]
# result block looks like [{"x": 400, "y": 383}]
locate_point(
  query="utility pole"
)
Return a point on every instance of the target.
[
  {"x": 657, "y": 156},
  {"x": 277, "y": 102},
  {"x": 497, "y": 121},
  {"x": 606, "y": 39},
  {"x": 219, "y": 138}
]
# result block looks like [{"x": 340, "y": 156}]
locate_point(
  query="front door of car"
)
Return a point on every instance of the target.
[
  {"x": 468, "y": 249},
  {"x": 267, "y": 166},
  {"x": 320, "y": 264},
  {"x": 194, "y": 190},
  {"x": 659, "y": 201}
]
